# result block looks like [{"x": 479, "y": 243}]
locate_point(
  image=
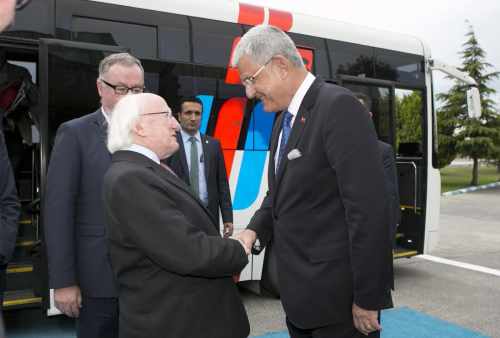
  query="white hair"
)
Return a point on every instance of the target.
[
  {"x": 123, "y": 118},
  {"x": 262, "y": 42}
]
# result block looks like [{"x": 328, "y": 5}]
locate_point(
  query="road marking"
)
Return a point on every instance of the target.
[{"x": 462, "y": 265}]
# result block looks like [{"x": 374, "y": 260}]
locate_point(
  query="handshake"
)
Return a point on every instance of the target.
[{"x": 247, "y": 239}]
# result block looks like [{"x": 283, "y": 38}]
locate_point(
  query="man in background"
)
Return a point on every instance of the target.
[
  {"x": 79, "y": 267},
  {"x": 200, "y": 163}
]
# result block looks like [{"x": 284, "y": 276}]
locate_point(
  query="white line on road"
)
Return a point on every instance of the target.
[{"x": 462, "y": 265}]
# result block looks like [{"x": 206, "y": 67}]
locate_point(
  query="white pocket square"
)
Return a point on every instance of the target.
[{"x": 294, "y": 154}]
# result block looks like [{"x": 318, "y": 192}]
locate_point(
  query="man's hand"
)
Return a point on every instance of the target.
[
  {"x": 228, "y": 229},
  {"x": 248, "y": 237},
  {"x": 366, "y": 321},
  {"x": 69, "y": 300}
]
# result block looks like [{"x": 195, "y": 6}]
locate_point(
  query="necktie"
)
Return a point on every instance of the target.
[
  {"x": 285, "y": 133},
  {"x": 193, "y": 170}
]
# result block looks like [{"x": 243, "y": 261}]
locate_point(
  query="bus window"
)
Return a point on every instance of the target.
[
  {"x": 141, "y": 39},
  {"x": 350, "y": 59},
  {"x": 381, "y": 107},
  {"x": 401, "y": 67},
  {"x": 409, "y": 122},
  {"x": 318, "y": 46},
  {"x": 213, "y": 40}
]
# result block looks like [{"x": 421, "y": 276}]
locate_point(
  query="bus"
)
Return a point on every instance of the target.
[{"x": 50, "y": 64}]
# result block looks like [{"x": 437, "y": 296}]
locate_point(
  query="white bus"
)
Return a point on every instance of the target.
[{"x": 185, "y": 47}]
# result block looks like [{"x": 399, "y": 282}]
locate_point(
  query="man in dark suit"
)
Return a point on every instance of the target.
[
  {"x": 79, "y": 267},
  {"x": 391, "y": 181},
  {"x": 207, "y": 178},
  {"x": 325, "y": 208},
  {"x": 172, "y": 266},
  {"x": 390, "y": 171}
]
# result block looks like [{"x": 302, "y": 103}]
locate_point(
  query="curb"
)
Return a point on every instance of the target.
[{"x": 471, "y": 189}]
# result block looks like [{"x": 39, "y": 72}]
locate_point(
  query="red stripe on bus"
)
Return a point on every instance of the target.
[
  {"x": 250, "y": 15},
  {"x": 308, "y": 57},
  {"x": 281, "y": 19},
  {"x": 228, "y": 161},
  {"x": 228, "y": 127},
  {"x": 232, "y": 74}
]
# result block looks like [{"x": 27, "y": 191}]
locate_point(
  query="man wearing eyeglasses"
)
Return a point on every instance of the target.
[
  {"x": 172, "y": 266},
  {"x": 79, "y": 267},
  {"x": 326, "y": 207}
]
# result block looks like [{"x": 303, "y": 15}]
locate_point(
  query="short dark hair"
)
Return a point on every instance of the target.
[
  {"x": 189, "y": 99},
  {"x": 366, "y": 101}
]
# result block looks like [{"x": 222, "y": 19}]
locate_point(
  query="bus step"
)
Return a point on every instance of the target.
[
  {"x": 403, "y": 253},
  {"x": 26, "y": 243},
  {"x": 21, "y": 299},
  {"x": 19, "y": 268}
]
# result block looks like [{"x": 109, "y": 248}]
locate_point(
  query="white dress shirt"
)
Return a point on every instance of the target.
[{"x": 293, "y": 108}]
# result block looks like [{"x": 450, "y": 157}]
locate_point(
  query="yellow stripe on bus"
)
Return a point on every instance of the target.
[
  {"x": 14, "y": 302},
  {"x": 404, "y": 254},
  {"x": 19, "y": 269}
]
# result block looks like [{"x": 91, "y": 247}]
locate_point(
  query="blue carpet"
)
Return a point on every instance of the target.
[
  {"x": 404, "y": 322},
  {"x": 396, "y": 323}
]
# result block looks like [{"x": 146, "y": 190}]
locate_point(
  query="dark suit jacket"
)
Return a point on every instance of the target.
[
  {"x": 219, "y": 195},
  {"x": 327, "y": 211},
  {"x": 9, "y": 205},
  {"x": 74, "y": 215},
  {"x": 391, "y": 181},
  {"x": 173, "y": 268}
]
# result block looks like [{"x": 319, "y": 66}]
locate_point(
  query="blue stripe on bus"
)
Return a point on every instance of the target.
[
  {"x": 260, "y": 128},
  {"x": 250, "y": 177},
  {"x": 207, "y": 100}
]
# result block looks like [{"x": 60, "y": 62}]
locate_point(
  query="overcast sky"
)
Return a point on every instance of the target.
[{"x": 440, "y": 23}]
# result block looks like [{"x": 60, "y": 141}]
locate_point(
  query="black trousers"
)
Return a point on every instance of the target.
[
  {"x": 337, "y": 330},
  {"x": 98, "y": 318}
]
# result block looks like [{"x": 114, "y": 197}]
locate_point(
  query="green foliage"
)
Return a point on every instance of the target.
[
  {"x": 459, "y": 134},
  {"x": 409, "y": 118}
]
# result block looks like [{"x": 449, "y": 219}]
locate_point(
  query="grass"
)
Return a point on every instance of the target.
[{"x": 457, "y": 177}]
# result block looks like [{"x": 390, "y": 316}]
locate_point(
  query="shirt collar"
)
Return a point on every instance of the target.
[
  {"x": 186, "y": 136},
  {"x": 106, "y": 116},
  {"x": 294, "y": 106},
  {"x": 144, "y": 151}
]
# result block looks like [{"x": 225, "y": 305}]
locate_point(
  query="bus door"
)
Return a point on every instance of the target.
[
  {"x": 20, "y": 129},
  {"x": 67, "y": 81},
  {"x": 385, "y": 106}
]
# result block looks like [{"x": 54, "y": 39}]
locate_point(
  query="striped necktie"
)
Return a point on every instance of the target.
[{"x": 285, "y": 133}]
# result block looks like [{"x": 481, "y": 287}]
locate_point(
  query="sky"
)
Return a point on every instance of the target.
[{"x": 439, "y": 23}]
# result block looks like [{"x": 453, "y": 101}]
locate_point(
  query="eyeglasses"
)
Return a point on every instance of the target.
[
  {"x": 123, "y": 90},
  {"x": 20, "y": 4},
  {"x": 167, "y": 113},
  {"x": 250, "y": 80}
]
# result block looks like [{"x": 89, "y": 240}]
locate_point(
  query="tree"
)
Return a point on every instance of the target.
[{"x": 474, "y": 138}]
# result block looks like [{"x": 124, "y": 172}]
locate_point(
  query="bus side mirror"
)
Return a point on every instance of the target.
[{"x": 473, "y": 103}]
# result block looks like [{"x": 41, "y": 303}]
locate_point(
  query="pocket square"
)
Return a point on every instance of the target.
[{"x": 294, "y": 154}]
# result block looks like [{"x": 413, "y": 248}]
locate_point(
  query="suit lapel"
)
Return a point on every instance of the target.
[
  {"x": 101, "y": 128},
  {"x": 274, "y": 146},
  {"x": 182, "y": 157},
  {"x": 299, "y": 124},
  {"x": 206, "y": 158},
  {"x": 179, "y": 183}
]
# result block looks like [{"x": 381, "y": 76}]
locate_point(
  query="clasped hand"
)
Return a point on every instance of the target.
[{"x": 247, "y": 238}]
